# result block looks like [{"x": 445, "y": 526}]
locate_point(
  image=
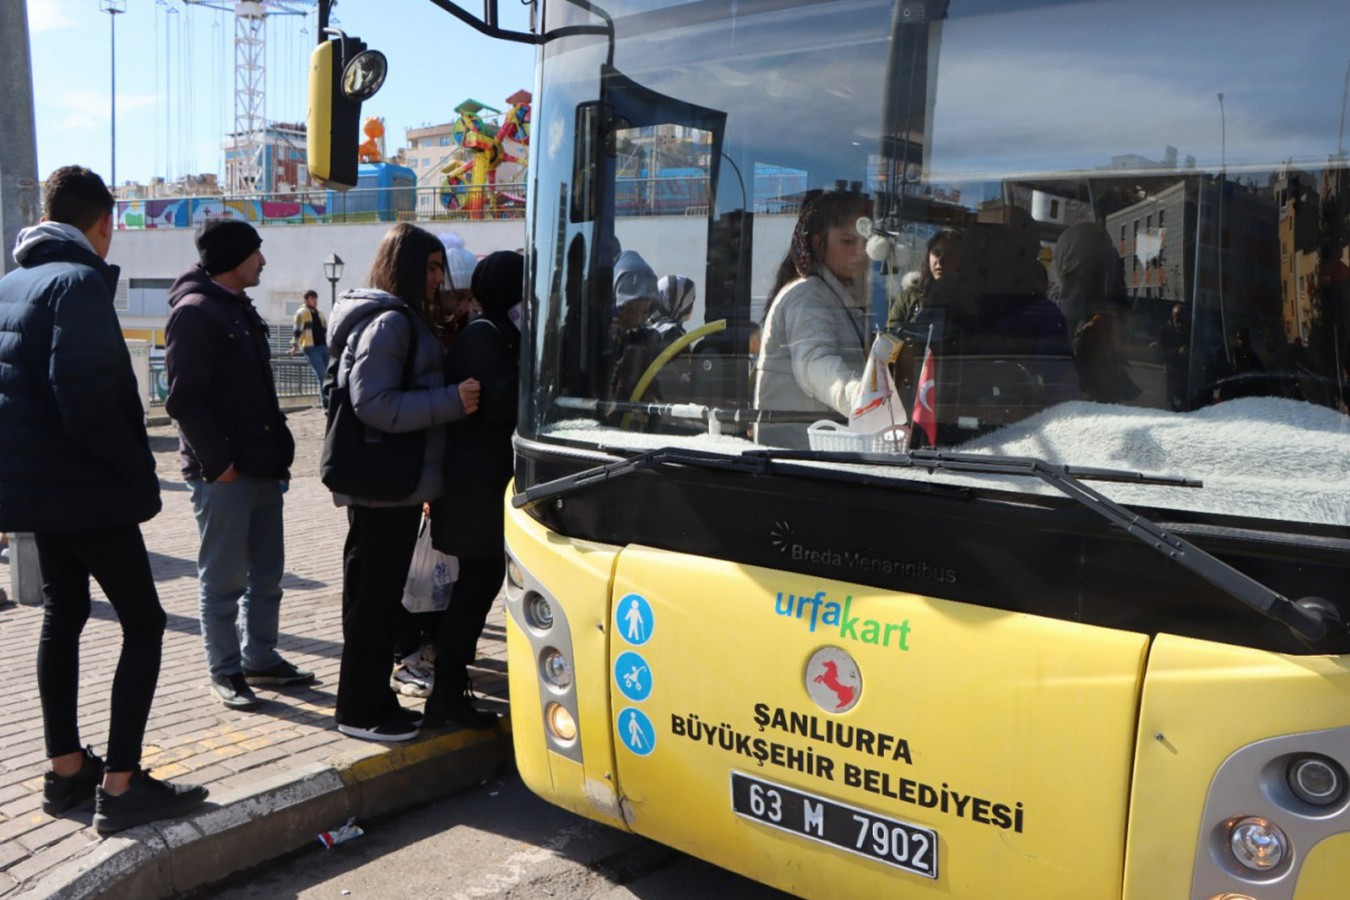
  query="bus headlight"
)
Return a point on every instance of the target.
[
  {"x": 1257, "y": 843},
  {"x": 555, "y": 668},
  {"x": 560, "y": 722},
  {"x": 538, "y": 612},
  {"x": 1316, "y": 780}
]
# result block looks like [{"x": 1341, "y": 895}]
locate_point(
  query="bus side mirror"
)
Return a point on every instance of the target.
[{"x": 342, "y": 74}]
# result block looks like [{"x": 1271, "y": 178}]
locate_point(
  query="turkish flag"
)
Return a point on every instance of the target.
[{"x": 924, "y": 415}]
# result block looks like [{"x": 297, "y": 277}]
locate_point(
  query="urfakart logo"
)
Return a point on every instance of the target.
[{"x": 784, "y": 540}]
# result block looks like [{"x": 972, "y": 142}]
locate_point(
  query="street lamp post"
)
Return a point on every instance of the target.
[
  {"x": 113, "y": 8},
  {"x": 332, "y": 270},
  {"x": 1218, "y": 232}
]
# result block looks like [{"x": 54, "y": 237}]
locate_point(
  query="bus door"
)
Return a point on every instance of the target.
[{"x": 825, "y": 733}]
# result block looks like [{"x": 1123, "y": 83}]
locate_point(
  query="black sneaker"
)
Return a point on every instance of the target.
[
  {"x": 282, "y": 673},
  {"x": 63, "y": 792},
  {"x": 459, "y": 710},
  {"x": 395, "y": 728},
  {"x": 146, "y": 800},
  {"x": 403, "y": 714},
  {"x": 234, "y": 691}
]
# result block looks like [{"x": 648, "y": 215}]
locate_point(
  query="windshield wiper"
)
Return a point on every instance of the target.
[
  {"x": 648, "y": 459},
  {"x": 1313, "y": 619}
]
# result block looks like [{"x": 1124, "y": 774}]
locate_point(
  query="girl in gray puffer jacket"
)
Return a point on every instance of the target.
[{"x": 371, "y": 336}]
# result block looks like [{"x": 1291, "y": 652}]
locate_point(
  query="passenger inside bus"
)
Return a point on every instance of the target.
[
  {"x": 1090, "y": 289},
  {"x": 1173, "y": 345},
  {"x": 943, "y": 257},
  {"x": 635, "y": 343},
  {"x": 816, "y": 325}
]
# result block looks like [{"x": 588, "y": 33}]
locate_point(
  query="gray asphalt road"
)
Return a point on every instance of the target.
[{"x": 497, "y": 841}]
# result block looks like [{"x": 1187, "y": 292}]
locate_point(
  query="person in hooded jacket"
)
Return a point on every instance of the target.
[
  {"x": 373, "y": 332},
  {"x": 634, "y": 343},
  {"x": 415, "y": 633},
  {"x": 236, "y": 452},
  {"x": 76, "y": 470},
  {"x": 468, "y": 520}
]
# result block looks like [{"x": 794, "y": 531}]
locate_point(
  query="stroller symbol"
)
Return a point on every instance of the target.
[{"x": 633, "y": 678}]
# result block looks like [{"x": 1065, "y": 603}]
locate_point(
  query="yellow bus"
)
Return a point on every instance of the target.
[{"x": 1074, "y": 625}]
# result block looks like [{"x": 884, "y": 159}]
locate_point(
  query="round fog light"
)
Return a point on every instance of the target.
[
  {"x": 1316, "y": 780},
  {"x": 1257, "y": 843},
  {"x": 560, "y": 722},
  {"x": 555, "y": 668},
  {"x": 539, "y": 612}
]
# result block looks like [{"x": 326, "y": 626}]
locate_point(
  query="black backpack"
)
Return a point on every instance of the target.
[{"x": 364, "y": 462}]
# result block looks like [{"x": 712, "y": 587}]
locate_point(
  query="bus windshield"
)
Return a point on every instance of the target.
[{"x": 1101, "y": 234}]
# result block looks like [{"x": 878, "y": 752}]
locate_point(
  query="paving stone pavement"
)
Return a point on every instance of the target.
[{"x": 277, "y": 775}]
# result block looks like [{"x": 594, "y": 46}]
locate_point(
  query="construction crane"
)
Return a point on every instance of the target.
[{"x": 250, "y": 107}]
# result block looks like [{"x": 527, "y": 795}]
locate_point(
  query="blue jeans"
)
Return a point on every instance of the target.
[
  {"x": 318, "y": 360},
  {"x": 239, "y": 567}
]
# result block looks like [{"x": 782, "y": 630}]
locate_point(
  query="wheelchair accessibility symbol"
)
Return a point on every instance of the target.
[
  {"x": 633, "y": 676},
  {"x": 636, "y": 731}
]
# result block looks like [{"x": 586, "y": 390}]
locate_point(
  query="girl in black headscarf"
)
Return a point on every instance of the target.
[{"x": 468, "y": 520}]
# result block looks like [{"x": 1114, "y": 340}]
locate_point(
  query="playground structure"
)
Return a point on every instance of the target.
[{"x": 484, "y": 152}]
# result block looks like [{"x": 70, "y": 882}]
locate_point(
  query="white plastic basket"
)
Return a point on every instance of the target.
[{"x": 826, "y": 435}]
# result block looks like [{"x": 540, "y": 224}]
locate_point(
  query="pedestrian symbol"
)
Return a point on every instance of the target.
[
  {"x": 632, "y": 676},
  {"x": 636, "y": 731},
  {"x": 633, "y": 617}
]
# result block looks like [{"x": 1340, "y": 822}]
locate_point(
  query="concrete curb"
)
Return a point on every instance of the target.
[{"x": 274, "y": 816}]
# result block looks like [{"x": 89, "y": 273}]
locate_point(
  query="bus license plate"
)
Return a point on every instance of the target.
[{"x": 900, "y": 844}]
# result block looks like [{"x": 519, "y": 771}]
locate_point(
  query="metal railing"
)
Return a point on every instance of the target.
[
  {"x": 314, "y": 207},
  {"x": 662, "y": 195},
  {"x": 293, "y": 375}
]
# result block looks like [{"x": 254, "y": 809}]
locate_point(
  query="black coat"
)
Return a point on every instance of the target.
[
  {"x": 221, "y": 392},
  {"x": 73, "y": 448},
  {"x": 468, "y": 521}
]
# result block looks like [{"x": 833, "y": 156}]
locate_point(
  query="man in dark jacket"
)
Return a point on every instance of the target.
[
  {"x": 236, "y": 452},
  {"x": 76, "y": 470}
]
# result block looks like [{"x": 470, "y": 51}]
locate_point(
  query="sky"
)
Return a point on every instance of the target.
[{"x": 175, "y": 96}]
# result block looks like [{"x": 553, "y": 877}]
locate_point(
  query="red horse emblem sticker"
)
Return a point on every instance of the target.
[{"x": 833, "y": 680}]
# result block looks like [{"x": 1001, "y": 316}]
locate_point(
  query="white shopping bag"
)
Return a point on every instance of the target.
[{"x": 431, "y": 576}]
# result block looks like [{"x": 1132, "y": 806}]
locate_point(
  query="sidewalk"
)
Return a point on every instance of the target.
[{"x": 278, "y": 775}]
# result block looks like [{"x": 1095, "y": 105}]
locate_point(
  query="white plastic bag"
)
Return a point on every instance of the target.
[
  {"x": 878, "y": 405},
  {"x": 431, "y": 577}
]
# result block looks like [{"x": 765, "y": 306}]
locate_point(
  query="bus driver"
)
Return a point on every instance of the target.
[{"x": 816, "y": 324}]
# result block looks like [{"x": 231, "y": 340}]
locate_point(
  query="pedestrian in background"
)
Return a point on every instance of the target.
[
  {"x": 468, "y": 521},
  {"x": 310, "y": 336},
  {"x": 76, "y": 470},
  {"x": 236, "y": 451},
  {"x": 378, "y": 334}
]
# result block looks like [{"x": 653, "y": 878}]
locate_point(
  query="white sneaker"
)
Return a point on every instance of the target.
[
  {"x": 411, "y": 680},
  {"x": 4, "y": 554}
]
